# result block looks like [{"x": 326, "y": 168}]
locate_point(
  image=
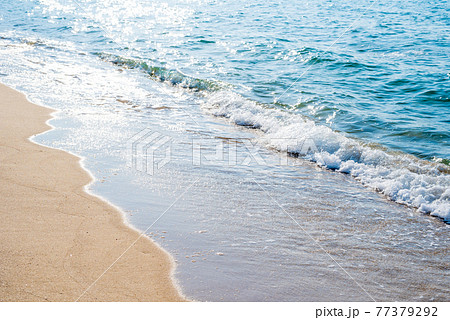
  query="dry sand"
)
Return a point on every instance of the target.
[{"x": 55, "y": 238}]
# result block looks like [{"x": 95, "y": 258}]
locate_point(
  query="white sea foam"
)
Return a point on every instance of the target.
[{"x": 401, "y": 177}]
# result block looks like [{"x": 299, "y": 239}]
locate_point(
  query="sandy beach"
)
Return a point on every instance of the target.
[{"x": 56, "y": 239}]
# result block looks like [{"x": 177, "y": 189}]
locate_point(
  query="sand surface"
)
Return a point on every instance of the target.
[{"x": 56, "y": 239}]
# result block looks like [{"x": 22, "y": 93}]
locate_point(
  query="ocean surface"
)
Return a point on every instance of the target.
[{"x": 303, "y": 147}]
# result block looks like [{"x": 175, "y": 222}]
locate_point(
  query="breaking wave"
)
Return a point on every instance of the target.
[
  {"x": 401, "y": 177},
  {"x": 162, "y": 74}
]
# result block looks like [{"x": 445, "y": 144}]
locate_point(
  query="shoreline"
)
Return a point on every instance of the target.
[{"x": 57, "y": 237}]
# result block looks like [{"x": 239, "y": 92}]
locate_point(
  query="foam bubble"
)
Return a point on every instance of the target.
[{"x": 400, "y": 177}]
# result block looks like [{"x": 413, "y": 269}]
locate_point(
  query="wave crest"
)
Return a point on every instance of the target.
[
  {"x": 172, "y": 77},
  {"x": 401, "y": 177}
]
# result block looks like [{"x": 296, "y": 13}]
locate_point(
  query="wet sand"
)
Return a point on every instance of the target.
[{"x": 56, "y": 239}]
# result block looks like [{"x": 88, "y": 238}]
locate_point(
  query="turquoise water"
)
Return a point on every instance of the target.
[
  {"x": 385, "y": 80},
  {"x": 374, "y": 71},
  {"x": 367, "y": 82}
]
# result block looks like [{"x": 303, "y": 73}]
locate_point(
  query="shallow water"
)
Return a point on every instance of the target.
[
  {"x": 262, "y": 231},
  {"x": 265, "y": 231},
  {"x": 253, "y": 223},
  {"x": 355, "y": 77}
]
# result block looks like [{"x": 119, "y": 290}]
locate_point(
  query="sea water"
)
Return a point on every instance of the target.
[{"x": 304, "y": 145}]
